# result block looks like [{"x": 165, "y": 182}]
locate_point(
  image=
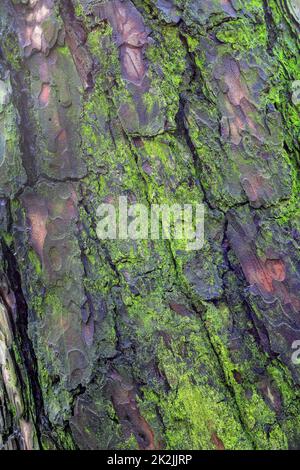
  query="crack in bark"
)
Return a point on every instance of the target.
[{"x": 272, "y": 33}]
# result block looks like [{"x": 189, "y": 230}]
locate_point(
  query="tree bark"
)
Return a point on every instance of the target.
[{"x": 140, "y": 344}]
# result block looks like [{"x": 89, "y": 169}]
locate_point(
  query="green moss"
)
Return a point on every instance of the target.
[
  {"x": 64, "y": 439},
  {"x": 167, "y": 55},
  {"x": 205, "y": 406},
  {"x": 129, "y": 444},
  {"x": 257, "y": 415},
  {"x": 288, "y": 70},
  {"x": 290, "y": 402},
  {"x": 79, "y": 10},
  {"x": 192, "y": 42},
  {"x": 54, "y": 303},
  {"x": 95, "y": 38},
  {"x": 64, "y": 51},
  {"x": 11, "y": 49},
  {"x": 57, "y": 400},
  {"x": 242, "y": 34},
  {"x": 35, "y": 262},
  {"x": 197, "y": 413},
  {"x": 7, "y": 237}
]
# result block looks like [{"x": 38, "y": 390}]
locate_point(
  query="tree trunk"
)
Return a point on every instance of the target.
[{"x": 127, "y": 344}]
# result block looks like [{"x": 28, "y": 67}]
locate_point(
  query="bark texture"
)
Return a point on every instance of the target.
[{"x": 123, "y": 344}]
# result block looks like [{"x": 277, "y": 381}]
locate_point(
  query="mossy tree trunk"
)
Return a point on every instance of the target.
[{"x": 141, "y": 344}]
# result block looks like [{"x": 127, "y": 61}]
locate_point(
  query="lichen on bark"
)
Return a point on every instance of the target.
[{"x": 113, "y": 344}]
